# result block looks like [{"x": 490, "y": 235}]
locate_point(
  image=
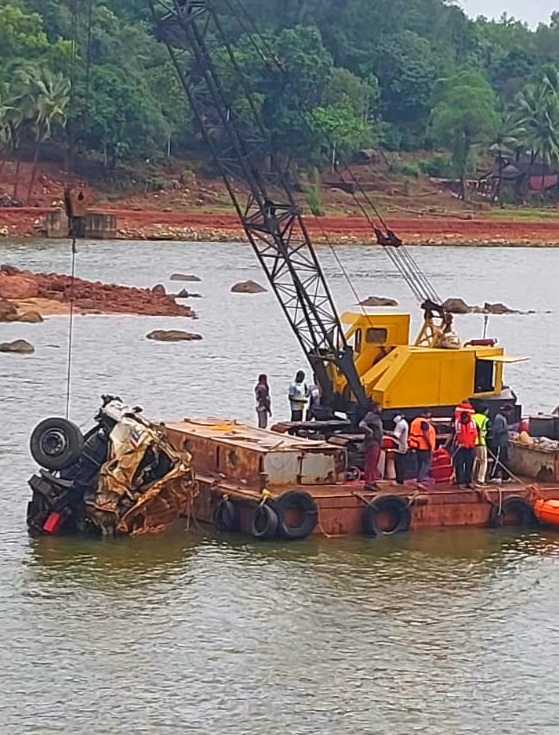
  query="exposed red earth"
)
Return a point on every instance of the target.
[{"x": 52, "y": 293}]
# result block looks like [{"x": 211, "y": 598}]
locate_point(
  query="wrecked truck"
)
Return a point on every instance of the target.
[{"x": 122, "y": 477}]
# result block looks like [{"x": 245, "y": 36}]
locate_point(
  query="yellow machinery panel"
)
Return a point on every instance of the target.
[{"x": 400, "y": 375}]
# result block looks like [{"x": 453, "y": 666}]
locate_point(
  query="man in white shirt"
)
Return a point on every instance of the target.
[
  {"x": 298, "y": 396},
  {"x": 400, "y": 433}
]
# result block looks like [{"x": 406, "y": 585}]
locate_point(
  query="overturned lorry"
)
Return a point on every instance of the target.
[{"x": 121, "y": 477}]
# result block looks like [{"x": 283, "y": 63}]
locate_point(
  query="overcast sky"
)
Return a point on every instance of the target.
[{"x": 531, "y": 11}]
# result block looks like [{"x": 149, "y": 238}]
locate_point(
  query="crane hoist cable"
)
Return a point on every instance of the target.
[{"x": 402, "y": 259}]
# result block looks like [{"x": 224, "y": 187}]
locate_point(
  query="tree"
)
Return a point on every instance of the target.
[
  {"x": 538, "y": 115},
  {"x": 464, "y": 116},
  {"x": 506, "y": 141},
  {"x": 47, "y": 104}
]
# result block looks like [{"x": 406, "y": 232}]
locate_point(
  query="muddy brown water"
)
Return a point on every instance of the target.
[{"x": 439, "y": 633}]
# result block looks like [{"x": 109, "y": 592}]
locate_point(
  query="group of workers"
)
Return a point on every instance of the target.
[
  {"x": 303, "y": 398},
  {"x": 474, "y": 436}
]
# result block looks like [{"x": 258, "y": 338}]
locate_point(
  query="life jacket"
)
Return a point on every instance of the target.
[
  {"x": 466, "y": 434},
  {"x": 416, "y": 438},
  {"x": 482, "y": 423},
  {"x": 463, "y": 407}
]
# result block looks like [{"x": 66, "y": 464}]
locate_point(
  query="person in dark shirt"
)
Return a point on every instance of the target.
[
  {"x": 372, "y": 426},
  {"x": 263, "y": 401},
  {"x": 500, "y": 444}
]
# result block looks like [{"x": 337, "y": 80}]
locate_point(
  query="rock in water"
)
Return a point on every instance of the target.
[
  {"x": 378, "y": 301},
  {"x": 17, "y": 287},
  {"x": 457, "y": 306},
  {"x": 19, "y": 346},
  {"x": 184, "y": 277},
  {"x": 248, "y": 287},
  {"x": 31, "y": 317},
  {"x": 172, "y": 335},
  {"x": 8, "y": 311},
  {"x": 497, "y": 309},
  {"x": 159, "y": 289}
]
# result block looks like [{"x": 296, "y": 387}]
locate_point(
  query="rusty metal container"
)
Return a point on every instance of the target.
[
  {"x": 533, "y": 461},
  {"x": 253, "y": 456}
]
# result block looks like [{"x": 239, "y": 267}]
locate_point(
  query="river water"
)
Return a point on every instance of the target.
[{"x": 439, "y": 633}]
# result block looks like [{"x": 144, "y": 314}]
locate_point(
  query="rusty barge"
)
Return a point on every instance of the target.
[{"x": 273, "y": 485}]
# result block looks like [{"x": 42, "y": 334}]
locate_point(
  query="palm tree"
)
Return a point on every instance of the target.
[
  {"x": 48, "y": 100},
  {"x": 5, "y": 110},
  {"x": 507, "y": 141},
  {"x": 538, "y": 109}
]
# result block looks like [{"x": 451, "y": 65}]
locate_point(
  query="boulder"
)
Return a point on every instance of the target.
[
  {"x": 184, "y": 277},
  {"x": 19, "y": 346},
  {"x": 8, "y": 311},
  {"x": 159, "y": 289},
  {"x": 378, "y": 301},
  {"x": 30, "y": 317},
  {"x": 248, "y": 287},
  {"x": 172, "y": 335},
  {"x": 18, "y": 287},
  {"x": 457, "y": 306},
  {"x": 497, "y": 308},
  {"x": 184, "y": 294}
]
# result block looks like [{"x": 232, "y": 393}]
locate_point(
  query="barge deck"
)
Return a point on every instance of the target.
[{"x": 268, "y": 484}]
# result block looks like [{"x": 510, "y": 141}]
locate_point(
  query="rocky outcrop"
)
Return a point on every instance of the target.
[
  {"x": 172, "y": 335},
  {"x": 30, "y": 317},
  {"x": 18, "y": 346},
  {"x": 378, "y": 301},
  {"x": 248, "y": 287},
  {"x": 91, "y": 297},
  {"x": 8, "y": 311},
  {"x": 18, "y": 286},
  {"x": 185, "y": 277},
  {"x": 457, "y": 306},
  {"x": 184, "y": 294}
]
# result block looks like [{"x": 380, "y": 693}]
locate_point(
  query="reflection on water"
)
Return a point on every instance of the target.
[{"x": 189, "y": 632}]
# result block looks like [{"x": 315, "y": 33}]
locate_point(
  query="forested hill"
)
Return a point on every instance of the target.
[{"x": 404, "y": 74}]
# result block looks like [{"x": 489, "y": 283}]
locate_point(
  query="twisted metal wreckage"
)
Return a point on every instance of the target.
[{"x": 122, "y": 477}]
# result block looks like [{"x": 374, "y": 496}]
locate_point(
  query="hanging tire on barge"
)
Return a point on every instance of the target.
[{"x": 387, "y": 515}]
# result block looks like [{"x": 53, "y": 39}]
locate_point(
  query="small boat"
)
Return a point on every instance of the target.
[{"x": 547, "y": 511}]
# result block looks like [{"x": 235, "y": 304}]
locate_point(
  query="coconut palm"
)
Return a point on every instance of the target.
[
  {"x": 47, "y": 103},
  {"x": 507, "y": 141},
  {"x": 538, "y": 115}
]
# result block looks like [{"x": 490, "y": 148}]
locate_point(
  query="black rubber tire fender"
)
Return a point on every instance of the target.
[
  {"x": 264, "y": 522},
  {"x": 56, "y": 431},
  {"x": 513, "y": 504},
  {"x": 303, "y": 502},
  {"x": 226, "y": 516},
  {"x": 391, "y": 503}
]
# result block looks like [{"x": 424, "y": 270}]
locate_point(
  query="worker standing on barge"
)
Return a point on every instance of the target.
[
  {"x": 374, "y": 432},
  {"x": 465, "y": 438},
  {"x": 401, "y": 434},
  {"x": 481, "y": 417},
  {"x": 263, "y": 401},
  {"x": 423, "y": 440},
  {"x": 298, "y": 396},
  {"x": 500, "y": 444}
]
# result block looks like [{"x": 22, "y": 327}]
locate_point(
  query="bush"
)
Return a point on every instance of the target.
[
  {"x": 312, "y": 189},
  {"x": 408, "y": 169},
  {"x": 439, "y": 166}
]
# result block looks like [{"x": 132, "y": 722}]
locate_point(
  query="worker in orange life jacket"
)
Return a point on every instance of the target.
[
  {"x": 423, "y": 441},
  {"x": 466, "y": 406},
  {"x": 465, "y": 440}
]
